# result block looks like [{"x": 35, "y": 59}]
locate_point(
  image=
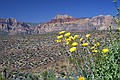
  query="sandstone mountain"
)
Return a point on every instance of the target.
[
  {"x": 58, "y": 23},
  {"x": 12, "y": 26}
]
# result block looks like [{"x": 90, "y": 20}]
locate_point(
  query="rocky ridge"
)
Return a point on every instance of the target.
[{"x": 58, "y": 23}]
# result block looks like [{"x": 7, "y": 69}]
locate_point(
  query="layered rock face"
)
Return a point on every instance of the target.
[
  {"x": 65, "y": 22},
  {"x": 58, "y": 23},
  {"x": 12, "y": 26},
  {"x": 102, "y": 22}
]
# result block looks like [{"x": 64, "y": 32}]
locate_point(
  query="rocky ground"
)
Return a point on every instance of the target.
[{"x": 33, "y": 54}]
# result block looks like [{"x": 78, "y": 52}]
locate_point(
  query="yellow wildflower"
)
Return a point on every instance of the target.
[
  {"x": 85, "y": 44},
  {"x": 105, "y": 55},
  {"x": 67, "y": 43},
  {"x": 75, "y": 37},
  {"x": 59, "y": 40},
  {"x": 59, "y": 37},
  {"x": 72, "y": 58},
  {"x": 71, "y": 37},
  {"x": 74, "y": 44},
  {"x": 92, "y": 47},
  {"x": 81, "y": 78},
  {"x": 95, "y": 51},
  {"x": 67, "y": 34},
  {"x": 61, "y": 32},
  {"x": 118, "y": 21},
  {"x": 119, "y": 28},
  {"x": 72, "y": 49},
  {"x": 81, "y": 39},
  {"x": 97, "y": 44},
  {"x": 88, "y": 35},
  {"x": 68, "y": 40},
  {"x": 105, "y": 50}
]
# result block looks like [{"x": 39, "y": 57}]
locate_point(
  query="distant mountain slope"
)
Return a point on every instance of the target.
[
  {"x": 59, "y": 22},
  {"x": 12, "y": 26}
]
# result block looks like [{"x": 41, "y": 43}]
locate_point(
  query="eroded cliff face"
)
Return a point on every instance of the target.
[
  {"x": 13, "y": 26},
  {"x": 102, "y": 22},
  {"x": 65, "y": 22},
  {"x": 58, "y": 23},
  {"x": 7, "y": 24}
]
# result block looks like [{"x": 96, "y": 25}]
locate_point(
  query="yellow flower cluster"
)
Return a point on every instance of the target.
[
  {"x": 59, "y": 37},
  {"x": 72, "y": 49},
  {"x": 88, "y": 44},
  {"x": 75, "y": 37},
  {"x": 70, "y": 41},
  {"x": 74, "y": 44},
  {"x": 85, "y": 44},
  {"x": 58, "y": 40},
  {"x": 97, "y": 44},
  {"x": 81, "y": 78},
  {"x": 88, "y": 35},
  {"x": 81, "y": 39},
  {"x": 119, "y": 28},
  {"x": 67, "y": 34},
  {"x": 94, "y": 51},
  {"x": 61, "y": 32},
  {"x": 93, "y": 47},
  {"x": 105, "y": 50}
]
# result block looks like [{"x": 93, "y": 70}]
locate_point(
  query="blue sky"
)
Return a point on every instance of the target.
[{"x": 44, "y": 10}]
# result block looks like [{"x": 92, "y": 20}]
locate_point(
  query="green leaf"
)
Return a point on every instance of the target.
[
  {"x": 118, "y": 75},
  {"x": 118, "y": 8},
  {"x": 118, "y": 13}
]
